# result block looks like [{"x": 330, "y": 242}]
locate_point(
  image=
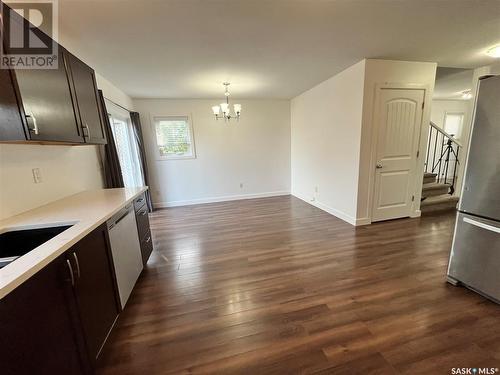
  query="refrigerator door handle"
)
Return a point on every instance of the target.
[{"x": 481, "y": 225}]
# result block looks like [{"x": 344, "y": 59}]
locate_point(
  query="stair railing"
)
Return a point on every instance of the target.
[{"x": 442, "y": 156}]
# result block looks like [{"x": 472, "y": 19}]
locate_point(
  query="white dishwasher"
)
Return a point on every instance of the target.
[{"x": 126, "y": 251}]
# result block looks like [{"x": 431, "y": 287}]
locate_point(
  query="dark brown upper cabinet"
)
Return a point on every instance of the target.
[
  {"x": 11, "y": 125},
  {"x": 53, "y": 105},
  {"x": 87, "y": 99},
  {"x": 47, "y": 104}
]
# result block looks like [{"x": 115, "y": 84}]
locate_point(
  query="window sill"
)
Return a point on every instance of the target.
[{"x": 176, "y": 158}]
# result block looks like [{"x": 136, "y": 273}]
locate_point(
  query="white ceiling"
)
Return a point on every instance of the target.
[
  {"x": 267, "y": 48},
  {"x": 452, "y": 82}
]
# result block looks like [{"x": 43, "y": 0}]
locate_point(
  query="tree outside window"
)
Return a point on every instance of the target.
[{"x": 174, "y": 137}]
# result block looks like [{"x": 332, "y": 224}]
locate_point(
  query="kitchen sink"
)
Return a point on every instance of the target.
[{"x": 17, "y": 242}]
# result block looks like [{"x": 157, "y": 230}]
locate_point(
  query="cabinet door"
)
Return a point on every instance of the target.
[
  {"x": 39, "y": 327},
  {"x": 45, "y": 98},
  {"x": 11, "y": 124},
  {"x": 85, "y": 88},
  {"x": 95, "y": 288},
  {"x": 142, "y": 218},
  {"x": 48, "y": 104}
]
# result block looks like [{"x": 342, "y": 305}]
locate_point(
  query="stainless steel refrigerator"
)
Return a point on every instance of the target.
[{"x": 475, "y": 255}]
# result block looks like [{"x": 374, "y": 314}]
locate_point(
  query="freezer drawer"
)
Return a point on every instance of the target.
[{"x": 475, "y": 256}]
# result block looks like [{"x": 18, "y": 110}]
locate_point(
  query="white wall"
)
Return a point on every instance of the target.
[
  {"x": 326, "y": 132},
  {"x": 113, "y": 93},
  {"x": 65, "y": 170},
  {"x": 390, "y": 72},
  {"x": 254, "y": 151}
]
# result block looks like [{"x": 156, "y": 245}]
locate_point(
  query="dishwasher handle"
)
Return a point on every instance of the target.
[
  {"x": 121, "y": 218},
  {"x": 121, "y": 215}
]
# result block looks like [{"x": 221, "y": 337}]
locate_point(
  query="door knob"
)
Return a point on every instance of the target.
[{"x": 378, "y": 166}]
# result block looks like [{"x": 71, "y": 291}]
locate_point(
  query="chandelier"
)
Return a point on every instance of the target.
[{"x": 223, "y": 110}]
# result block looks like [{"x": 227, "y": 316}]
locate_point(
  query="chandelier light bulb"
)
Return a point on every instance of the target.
[
  {"x": 216, "y": 109},
  {"x": 237, "y": 108},
  {"x": 224, "y": 107}
]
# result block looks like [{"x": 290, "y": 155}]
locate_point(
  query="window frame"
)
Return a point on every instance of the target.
[
  {"x": 159, "y": 157},
  {"x": 461, "y": 127},
  {"x": 117, "y": 113}
]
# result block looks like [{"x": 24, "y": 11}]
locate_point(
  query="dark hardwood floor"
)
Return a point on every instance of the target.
[{"x": 276, "y": 286}]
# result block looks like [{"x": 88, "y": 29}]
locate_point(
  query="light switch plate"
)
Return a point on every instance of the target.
[{"x": 37, "y": 175}]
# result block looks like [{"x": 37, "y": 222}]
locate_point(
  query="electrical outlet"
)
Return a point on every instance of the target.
[{"x": 37, "y": 175}]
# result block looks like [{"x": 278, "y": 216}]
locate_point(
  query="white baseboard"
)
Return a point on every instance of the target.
[
  {"x": 218, "y": 199},
  {"x": 332, "y": 211},
  {"x": 416, "y": 213},
  {"x": 363, "y": 221}
]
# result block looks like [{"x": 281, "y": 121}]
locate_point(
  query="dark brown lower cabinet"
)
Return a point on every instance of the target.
[
  {"x": 94, "y": 288},
  {"x": 58, "y": 320},
  {"x": 142, "y": 219},
  {"x": 39, "y": 326}
]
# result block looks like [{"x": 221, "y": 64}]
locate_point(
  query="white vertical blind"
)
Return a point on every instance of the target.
[{"x": 126, "y": 146}]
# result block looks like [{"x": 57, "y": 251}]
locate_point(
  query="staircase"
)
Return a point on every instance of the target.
[
  {"x": 441, "y": 166},
  {"x": 436, "y": 196}
]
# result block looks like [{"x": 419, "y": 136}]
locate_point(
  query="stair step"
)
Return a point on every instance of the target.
[
  {"x": 429, "y": 177},
  {"x": 439, "y": 203},
  {"x": 433, "y": 188}
]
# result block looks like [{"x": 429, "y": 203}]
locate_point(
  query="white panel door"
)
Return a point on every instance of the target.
[{"x": 399, "y": 119}]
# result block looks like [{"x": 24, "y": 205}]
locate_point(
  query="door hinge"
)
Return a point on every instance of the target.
[
  {"x": 412, "y": 198},
  {"x": 423, "y": 104},
  {"x": 418, "y": 153}
]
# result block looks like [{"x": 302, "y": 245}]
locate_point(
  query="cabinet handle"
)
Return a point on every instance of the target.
[
  {"x": 71, "y": 272},
  {"x": 86, "y": 130},
  {"x": 35, "y": 125},
  {"x": 77, "y": 264}
]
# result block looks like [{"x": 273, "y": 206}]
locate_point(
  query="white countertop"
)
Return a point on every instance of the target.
[{"x": 86, "y": 211}]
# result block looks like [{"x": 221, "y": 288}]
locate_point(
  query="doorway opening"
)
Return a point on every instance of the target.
[{"x": 449, "y": 128}]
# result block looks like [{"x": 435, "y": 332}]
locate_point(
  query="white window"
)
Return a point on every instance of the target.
[
  {"x": 174, "y": 137},
  {"x": 453, "y": 123}
]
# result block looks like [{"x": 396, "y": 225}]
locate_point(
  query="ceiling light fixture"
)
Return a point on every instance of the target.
[
  {"x": 225, "y": 109},
  {"x": 466, "y": 94},
  {"x": 494, "y": 52}
]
